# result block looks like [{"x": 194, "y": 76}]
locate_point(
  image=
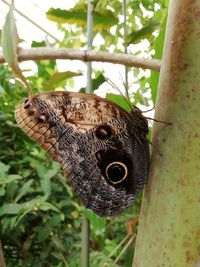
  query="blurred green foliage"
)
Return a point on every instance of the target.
[{"x": 40, "y": 217}]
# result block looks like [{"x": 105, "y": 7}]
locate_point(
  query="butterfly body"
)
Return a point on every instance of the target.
[{"x": 102, "y": 148}]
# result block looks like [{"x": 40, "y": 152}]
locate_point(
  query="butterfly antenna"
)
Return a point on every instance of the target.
[
  {"x": 126, "y": 88},
  {"x": 127, "y": 92},
  {"x": 145, "y": 111},
  {"x": 166, "y": 122},
  {"x": 117, "y": 88}
]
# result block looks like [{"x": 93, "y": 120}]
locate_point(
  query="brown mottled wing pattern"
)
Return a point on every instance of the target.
[{"x": 103, "y": 149}]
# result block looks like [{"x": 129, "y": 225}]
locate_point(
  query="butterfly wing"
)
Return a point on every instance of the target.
[{"x": 102, "y": 148}]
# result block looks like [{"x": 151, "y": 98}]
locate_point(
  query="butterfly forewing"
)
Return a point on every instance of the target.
[{"x": 103, "y": 149}]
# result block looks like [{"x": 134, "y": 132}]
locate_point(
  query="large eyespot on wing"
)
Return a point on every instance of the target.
[
  {"x": 116, "y": 172},
  {"x": 117, "y": 168}
]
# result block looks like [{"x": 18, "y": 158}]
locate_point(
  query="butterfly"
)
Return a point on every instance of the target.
[{"x": 102, "y": 148}]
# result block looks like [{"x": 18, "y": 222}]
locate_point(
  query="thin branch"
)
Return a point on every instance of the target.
[
  {"x": 125, "y": 248},
  {"x": 75, "y": 54}
]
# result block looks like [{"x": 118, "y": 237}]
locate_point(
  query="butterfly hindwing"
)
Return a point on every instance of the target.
[{"x": 102, "y": 148}]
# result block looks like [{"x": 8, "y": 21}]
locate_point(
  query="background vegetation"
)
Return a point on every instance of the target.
[{"x": 40, "y": 215}]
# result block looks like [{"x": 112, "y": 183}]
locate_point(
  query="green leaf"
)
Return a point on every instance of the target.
[
  {"x": 59, "y": 77},
  {"x": 148, "y": 4},
  {"x": 48, "y": 206},
  {"x": 159, "y": 42},
  {"x": 119, "y": 100},
  {"x": 10, "y": 40},
  {"x": 3, "y": 169},
  {"x": 2, "y": 191},
  {"x": 24, "y": 190},
  {"x": 10, "y": 178},
  {"x": 45, "y": 175},
  {"x": 145, "y": 32},
  {"x": 10, "y": 209},
  {"x": 78, "y": 15},
  {"x": 95, "y": 83},
  {"x": 97, "y": 223}
]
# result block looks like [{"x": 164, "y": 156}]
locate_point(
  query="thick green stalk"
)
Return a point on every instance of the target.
[
  {"x": 85, "y": 243},
  {"x": 85, "y": 223},
  {"x": 169, "y": 230}
]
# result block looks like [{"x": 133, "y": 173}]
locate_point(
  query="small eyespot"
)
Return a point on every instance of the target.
[
  {"x": 98, "y": 155},
  {"x": 42, "y": 118},
  {"x": 27, "y": 104},
  {"x": 31, "y": 111},
  {"x": 116, "y": 172},
  {"x": 103, "y": 132}
]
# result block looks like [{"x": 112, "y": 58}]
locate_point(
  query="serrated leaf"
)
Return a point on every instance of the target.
[
  {"x": 78, "y": 15},
  {"x": 59, "y": 77}
]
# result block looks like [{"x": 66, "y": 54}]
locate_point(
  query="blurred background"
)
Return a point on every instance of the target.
[{"x": 41, "y": 217}]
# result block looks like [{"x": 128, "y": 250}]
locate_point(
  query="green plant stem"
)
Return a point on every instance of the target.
[
  {"x": 169, "y": 226},
  {"x": 85, "y": 223},
  {"x": 85, "y": 243},
  {"x": 125, "y": 46},
  {"x": 89, "y": 44}
]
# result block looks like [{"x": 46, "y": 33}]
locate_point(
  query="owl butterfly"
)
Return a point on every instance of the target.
[{"x": 102, "y": 148}]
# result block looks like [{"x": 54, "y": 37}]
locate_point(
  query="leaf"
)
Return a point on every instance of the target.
[
  {"x": 97, "y": 223},
  {"x": 2, "y": 191},
  {"x": 78, "y": 15},
  {"x": 3, "y": 169},
  {"x": 23, "y": 191},
  {"x": 159, "y": 42},
  {"x": 10, "y": 178},
  {"x": 48, "y": 206},
  {"x": 59, "y": 77},
  {"x": 119, "y": 100},
  {"x": 10, "y": 209},
  {"x": 145, "y": 32},
  {"x": 10, "y": 40},
  {"x": 95, "y": 83},
  {"x": 148, "y": 4}
]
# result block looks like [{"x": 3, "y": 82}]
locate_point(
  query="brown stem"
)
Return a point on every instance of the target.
[{"x": 42, "y": 53}]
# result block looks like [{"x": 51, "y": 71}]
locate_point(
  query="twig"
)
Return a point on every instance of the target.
[
  {"x": 119, "y": 245},
  {"x": 42, "y": 53},
  {"x": 125, "y": 248}
]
